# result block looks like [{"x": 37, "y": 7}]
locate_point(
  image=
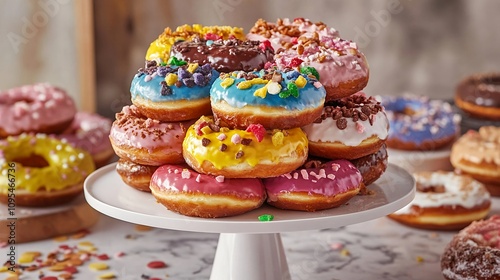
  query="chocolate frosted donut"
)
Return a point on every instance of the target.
[
  {"x": 372, "y": 166},
  {"x": 225, "y": 55},
  {"x": 479, "y": 96},
  {"x": 474, "y": 253}
]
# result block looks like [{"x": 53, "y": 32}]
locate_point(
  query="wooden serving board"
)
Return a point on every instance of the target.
[{"x": 33, "y": 224}]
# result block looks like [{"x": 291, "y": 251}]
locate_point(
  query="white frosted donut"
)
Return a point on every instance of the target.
[{"x": 445, "y": 200}]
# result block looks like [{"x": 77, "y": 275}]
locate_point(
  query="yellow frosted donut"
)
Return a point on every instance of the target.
[
  {"x": 41, "y": 171},
  {"x": 159, "y": 49},
  {"x": 251, "y": 153}
]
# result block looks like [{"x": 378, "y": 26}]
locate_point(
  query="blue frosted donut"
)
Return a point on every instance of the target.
[
  {"x": 417, "y": 123},
  {"x": 274, "y": 98},
  {"x": 173, "y": 92}
]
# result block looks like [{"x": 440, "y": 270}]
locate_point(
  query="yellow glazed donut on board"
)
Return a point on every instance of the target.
[
  {"x": 41, "y": 171},
  {"x": 250, "y": 153}
]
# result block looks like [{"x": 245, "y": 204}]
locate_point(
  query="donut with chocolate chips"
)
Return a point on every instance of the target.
[
  {"x": 348, "y": 128},
  {"x": 225, "y": 55},
  {"x": 146, "y": 141}
]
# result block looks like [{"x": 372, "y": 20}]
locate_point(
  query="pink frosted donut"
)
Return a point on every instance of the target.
[
  {"x": 146, "y": 141},
  {"x": 190, "y": 193},
  {"x": 474, "y": 253},
  {"x": 38, "y": 108},
  {"x": 311, "y": 189},
  {"x": 341, "y": 67},
  {"x": 90, "y": 132}
]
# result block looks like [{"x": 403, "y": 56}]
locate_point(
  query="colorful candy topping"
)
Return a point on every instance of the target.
[
  {"x": 284, "y": 84},
  {"x": 227, "y": 147}
]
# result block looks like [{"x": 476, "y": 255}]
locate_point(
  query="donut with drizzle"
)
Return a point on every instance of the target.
[
  {"x": 479, "y": 96},
  {"x": 477, "y": 154},
  {"x": 234, "y": 153},
  {"x": 176, "y": 92},
  {"x": 418, "y": 123},
  {"x": 474, "y": 253},
  {"x": 311, "y": 189},
  {"x": 273, "y": 98},
  {"x": 48, "y": 171},
  {"x": 147, "y": 141},
  {"x": 348, "y": 128},
  {"x": 159, "y": 49},
  {"x": 444, "y": 201},
  {"x": 38, "y": 108},
  {"x": 90, "y": 132},
  {"x": 190, "y": 193},
  {"x": 225, "y": 55}
]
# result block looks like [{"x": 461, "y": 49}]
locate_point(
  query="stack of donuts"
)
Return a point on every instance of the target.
[
  {"x": 47, "y": 146},
  {"x": 220, "y": 124}
]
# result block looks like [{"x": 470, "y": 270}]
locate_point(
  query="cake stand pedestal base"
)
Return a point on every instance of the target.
[{"x": 250, "y": 257}]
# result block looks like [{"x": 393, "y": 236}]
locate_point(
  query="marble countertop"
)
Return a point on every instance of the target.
[{"x": 377, "y": 249}]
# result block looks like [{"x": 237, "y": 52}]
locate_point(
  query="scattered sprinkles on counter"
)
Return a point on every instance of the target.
[{"x": 67, "y": 260}]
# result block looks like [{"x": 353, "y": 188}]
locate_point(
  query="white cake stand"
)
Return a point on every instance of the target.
[{"x": 248, "y": 249}]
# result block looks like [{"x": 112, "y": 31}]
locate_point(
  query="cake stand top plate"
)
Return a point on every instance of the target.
[{"x": 106, "y": 192}]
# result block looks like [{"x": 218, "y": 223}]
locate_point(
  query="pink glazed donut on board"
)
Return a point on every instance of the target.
[{"x": 38, "y": 108}]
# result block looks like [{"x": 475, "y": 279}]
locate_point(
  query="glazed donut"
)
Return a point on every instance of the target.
[
  {"x": 372, "y": 166},
  {"x": 285, "y": 32},
  {"x": 444, "y": 201},
  {"x": 137, "y": 176},
  {"x": 418, "y": 123},
  {"x": 159, "y": 50},
  {"x": 273, "y": 98},
  {"x": 348, "y": 128},
  {"x": 146, "y": 141},
  {"x": 474, "y": 253},
  {"x": 90, "y": 132},
  {"x": 312, "y": 189},
  {"x": 252, "y": 153},
  {"x": 38, "y": 108},
  {"x": 478, "y": 155},
  {"x": 225, "y": 55},
  {"x": 479, "y": 96},
  {"x": 190, "y": 193},
  {"x": 342, "y": 68},
  {"x": 43, "y": 171},
  {"x": 173, "y": 93}
]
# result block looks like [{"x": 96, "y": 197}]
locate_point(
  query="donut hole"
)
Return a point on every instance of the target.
[
  {"x": 33, "y": 160},
  {"x": 431, "y": 188}
]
